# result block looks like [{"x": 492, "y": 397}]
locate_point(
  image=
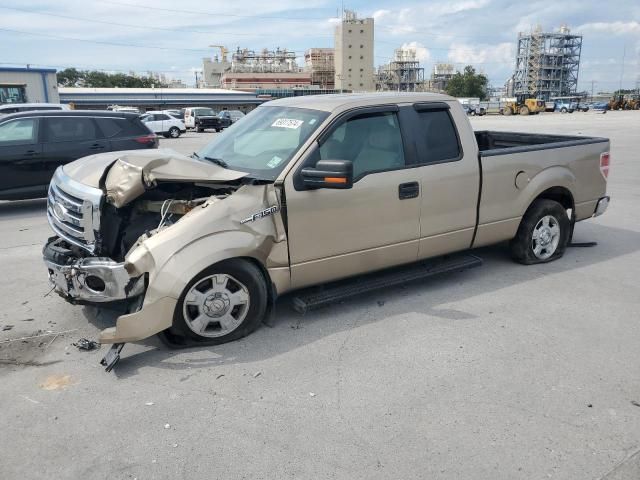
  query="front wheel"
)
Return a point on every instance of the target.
[
  {"x": 174, "y": 132},
  {"x": 563, "y": 110},
  {"x": 224, "y": 302},
  {"x": 543, "y": 233},
  {"x": 524, "y": 110}
]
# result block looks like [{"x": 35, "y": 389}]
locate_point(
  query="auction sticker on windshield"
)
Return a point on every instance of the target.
[{"x": 287, "y": 123}]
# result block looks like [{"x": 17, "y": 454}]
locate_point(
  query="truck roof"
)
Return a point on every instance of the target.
[{"x": 340, "y": 101}]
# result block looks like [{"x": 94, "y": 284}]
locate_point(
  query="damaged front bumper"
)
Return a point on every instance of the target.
[{"x": 88, "y": 280}]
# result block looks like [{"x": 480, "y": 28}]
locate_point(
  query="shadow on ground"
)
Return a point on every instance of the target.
[{"x": 292, "y": 330}]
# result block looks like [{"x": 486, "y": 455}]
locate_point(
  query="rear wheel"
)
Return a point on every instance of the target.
[
  {"x": 507, "y": 111},
  {"x": 543, "y": 233},
  {"x": 524, "y": 110},
  {"x": 174, "y": 132},
  {"x": 563, "y": 110},
  {"x": 224, "y": 302},
  {"x": 200, "y": 130}
]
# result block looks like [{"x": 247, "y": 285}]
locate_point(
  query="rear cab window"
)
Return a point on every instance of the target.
[
  {"x": 111, "y": 127},
  {"x": 437, "y": 134}
]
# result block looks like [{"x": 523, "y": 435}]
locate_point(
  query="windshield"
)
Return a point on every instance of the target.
[
  {"x": 204, "y": 112},
  {"x": 262, "y": 142}
]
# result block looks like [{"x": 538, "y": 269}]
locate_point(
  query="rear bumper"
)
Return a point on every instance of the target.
[
  {"x": 601, "y": 206},
  {"x": 88, "y": 280}
]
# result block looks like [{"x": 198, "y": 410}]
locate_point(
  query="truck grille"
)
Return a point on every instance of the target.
[{"x": 73, "y": 210}]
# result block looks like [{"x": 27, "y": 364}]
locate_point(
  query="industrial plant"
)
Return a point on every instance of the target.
[{"x": 547, "y": 63}]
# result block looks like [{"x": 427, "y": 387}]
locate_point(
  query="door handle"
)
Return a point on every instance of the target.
[
  {"x": 96, "y": 146},
  {"x": 31, "y": 153},
  {"x": 408, "y": 190}
]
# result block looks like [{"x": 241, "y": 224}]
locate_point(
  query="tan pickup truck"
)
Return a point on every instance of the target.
[{"x": 302, "y": 192}]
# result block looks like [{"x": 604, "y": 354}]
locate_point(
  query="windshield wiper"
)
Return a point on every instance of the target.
[
  {"x": 194, "y": 154},
  {"x": 217, "y": 161}
]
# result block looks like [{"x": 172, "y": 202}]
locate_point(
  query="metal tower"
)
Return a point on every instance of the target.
[{"x": 547, "y": 64}]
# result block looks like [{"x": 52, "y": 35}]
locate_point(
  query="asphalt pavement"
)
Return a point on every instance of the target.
[{"x": 500, "y": 372}]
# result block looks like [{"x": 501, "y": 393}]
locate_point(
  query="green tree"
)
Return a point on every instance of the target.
[
  {"x": 468, "y": 84},
  {"x": 70, "y": 77}
]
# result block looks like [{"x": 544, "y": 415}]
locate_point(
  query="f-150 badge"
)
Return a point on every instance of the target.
[{"x": 264, "y": 213}]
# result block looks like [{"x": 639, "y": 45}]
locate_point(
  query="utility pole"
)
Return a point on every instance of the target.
[
  {"x": 196, "y": 73},
  {"x": 624, "y": 52},
  {"x": 593, "y": 82}
]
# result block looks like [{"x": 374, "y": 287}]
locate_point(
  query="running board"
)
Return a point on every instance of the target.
[{"x": 317, "y": 297}]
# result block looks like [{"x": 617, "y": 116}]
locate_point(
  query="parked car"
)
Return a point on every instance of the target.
[
  {"x": 29, "y": 107},
  {"x": 371, "y": 181},
  {"x": 179, "y": 114},
  {"x": 34, "y": 144},
  {"x": 231, "y": 115},
  {"x": 564, "y": 106},
  {"x": 583, "y": 107},
  {"x": 163, "y": 124},
  {"x": 600, "y": 107},
  {"x": 202, "y": 118}
]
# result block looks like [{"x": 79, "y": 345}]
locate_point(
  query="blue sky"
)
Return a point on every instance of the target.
[{"x": 172, "y": 37}]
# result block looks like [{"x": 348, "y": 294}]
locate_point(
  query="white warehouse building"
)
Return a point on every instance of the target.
[{"x": 28, "y": 85}]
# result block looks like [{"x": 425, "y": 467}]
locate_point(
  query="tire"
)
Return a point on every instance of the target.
[
  {"x": 210, "y": 316},
  {"x": 563, "y": 110},
  {"x": 472, "y": 113},
  {"x": 524, "y": 110},
  {"x": 218, "y": 130},
  {"x": 507, "y": 111},
  {"x": 541, "y": 217},
  {"x": 174, "y": 132}
]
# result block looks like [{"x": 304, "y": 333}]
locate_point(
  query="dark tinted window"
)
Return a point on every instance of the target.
[
  {"x": 161, "y": 116},
  {"x": 69, "y": 129},
  {"x": 440, "y": 136},
  {"x": 110, "y": 126},
  {"x": 372, "y": 142},
  {"x": 135, "y": 127}
]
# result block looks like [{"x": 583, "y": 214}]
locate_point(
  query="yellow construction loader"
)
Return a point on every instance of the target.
[{"x": 523, "y": 106}]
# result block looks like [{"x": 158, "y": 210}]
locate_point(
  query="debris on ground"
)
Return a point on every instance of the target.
[
  {"x": 7, "y": 327},
  {"x": 56, "y": 382},
  {"x": 167, "y": 426},
  {"x": 220, "y": 376},
  {"x": 86, "y": 344},
  {"x": 637, "y": 404},
  {"x": 257, "y": 374},
  {"x": 28, "y": 319},
  {"x": 148, "y": 404},
  {"x": 590, "y": 405},
  {"x": 311, "y": 394}
]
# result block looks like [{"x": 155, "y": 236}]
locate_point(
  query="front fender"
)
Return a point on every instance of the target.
[{"x": 172, "y": 277}]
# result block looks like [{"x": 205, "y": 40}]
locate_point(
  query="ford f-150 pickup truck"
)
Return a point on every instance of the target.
[{"x": 301, "y": 192}]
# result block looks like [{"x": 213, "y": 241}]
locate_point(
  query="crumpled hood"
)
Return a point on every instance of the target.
[{"x": 132, "y": 171}]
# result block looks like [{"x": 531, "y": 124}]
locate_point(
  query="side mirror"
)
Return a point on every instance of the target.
[{"x": 329, "y": 174}]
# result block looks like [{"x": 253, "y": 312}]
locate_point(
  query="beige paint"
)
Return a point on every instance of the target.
[{"x": 331, "y": 233}]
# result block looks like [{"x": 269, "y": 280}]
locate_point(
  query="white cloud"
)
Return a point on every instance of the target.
[
  {"x": 473, "y": 54},
  {"x": 422, "y": 53},
  {"x": 616, "y": 28}
]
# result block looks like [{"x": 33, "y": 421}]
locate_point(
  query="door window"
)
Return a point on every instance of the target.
[
  {"x": 373, "y": 142},
  {"x": 440, "y": 136},
  {"x": 19, "y": 132},
  {"x": 69, "y": 129},
  {"x": 161, "y": 116}
]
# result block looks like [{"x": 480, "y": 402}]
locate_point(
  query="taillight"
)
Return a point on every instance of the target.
[
  {"x": 146, "y": 139},
  {"x": 604, "y": 164}
]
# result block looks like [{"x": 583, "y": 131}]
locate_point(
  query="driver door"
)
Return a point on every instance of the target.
[{"x": 335, "y": 233}]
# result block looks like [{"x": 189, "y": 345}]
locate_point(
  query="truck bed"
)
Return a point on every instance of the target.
[{"x": 501, "y": 143}]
